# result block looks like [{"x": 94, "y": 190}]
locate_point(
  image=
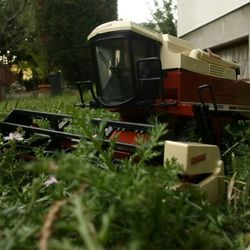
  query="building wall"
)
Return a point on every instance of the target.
[
  {"x": 237, "y": 52},
  {"x": 228, "y": 35},
  {"x": 195, "y": 13}
]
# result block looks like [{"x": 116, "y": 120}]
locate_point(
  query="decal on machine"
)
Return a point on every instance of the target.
[{"x": 197, "y": 159}]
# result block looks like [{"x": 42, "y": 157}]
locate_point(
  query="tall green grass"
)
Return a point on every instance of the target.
[{"x": 97, "y": 203}]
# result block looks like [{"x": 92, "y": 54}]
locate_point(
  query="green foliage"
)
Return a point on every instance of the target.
[
  {"x": 163, "y": 18},
  {"x": 52, "y": 35},
  {"x": 94, "y": 202},
  {"x": 62, "y": 28},
  {"x": 13, "y": 28}
]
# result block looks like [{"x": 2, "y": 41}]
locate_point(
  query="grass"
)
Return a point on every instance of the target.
[{"x": 100, "y": 204}]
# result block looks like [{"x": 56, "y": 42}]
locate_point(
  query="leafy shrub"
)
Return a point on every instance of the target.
[{"x": 85, "y": 200}]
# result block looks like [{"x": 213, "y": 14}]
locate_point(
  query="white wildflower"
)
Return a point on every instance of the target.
[
  {"x": 16, "y": 136},
  {"x": 108, "y": 130},
  {"x": 52, "y": 180}
]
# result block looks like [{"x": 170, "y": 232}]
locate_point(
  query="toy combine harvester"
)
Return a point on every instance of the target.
[{"x": 141, "y": 73}]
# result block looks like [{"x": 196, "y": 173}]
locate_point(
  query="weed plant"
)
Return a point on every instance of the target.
[{"x": 85, "y": 200}]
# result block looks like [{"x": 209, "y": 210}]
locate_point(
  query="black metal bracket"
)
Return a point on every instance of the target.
[
  {"x": 54, "y": 136},
  {"x": 165, "y": 104},
  {"x": 203, "y": 115},
  {"x": 25, "y": 117},
  {"x": 84, "y": 86},
  {"x": 119, "y": 125}
]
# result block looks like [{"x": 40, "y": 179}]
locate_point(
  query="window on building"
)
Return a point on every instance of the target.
[{"x": 238, "y": 53}]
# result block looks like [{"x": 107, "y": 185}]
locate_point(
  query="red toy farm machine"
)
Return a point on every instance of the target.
[{"x": 140, "y": 73}]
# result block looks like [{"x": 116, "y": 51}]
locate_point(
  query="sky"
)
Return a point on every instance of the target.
[{"x": 135, "y": 10}]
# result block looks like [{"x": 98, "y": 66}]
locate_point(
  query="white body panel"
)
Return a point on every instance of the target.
[
  {"x": 176, "y": 53},
  {"x": 180, "y": 54},
  {"x": 195, "y": 158},
  {"x": 198, "y": 159},
  {"x": 125, "y": 25}
]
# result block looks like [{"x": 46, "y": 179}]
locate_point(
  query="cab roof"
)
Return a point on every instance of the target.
[{"x": 125, "y": 26}]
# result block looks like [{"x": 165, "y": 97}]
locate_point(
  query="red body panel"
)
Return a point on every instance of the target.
[
  {"x": 179, "y": 98},
  {"x": 183, "y": 86},
  {"x": 182, "y": 109},
  {"x": 126, "y": 136},
  {"x": 178, "y": 101}
]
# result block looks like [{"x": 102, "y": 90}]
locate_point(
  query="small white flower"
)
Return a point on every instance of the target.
[
  {"x": 52, "y": 180},
  {"x": 16, "y": 136},
  {"x": 108, "y": 130}
]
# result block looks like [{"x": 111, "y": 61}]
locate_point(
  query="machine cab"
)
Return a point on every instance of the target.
[{"x": 126, "y": 63}]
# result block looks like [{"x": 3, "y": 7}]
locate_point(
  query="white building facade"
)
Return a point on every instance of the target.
[{"x": 220, "y": 25}]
